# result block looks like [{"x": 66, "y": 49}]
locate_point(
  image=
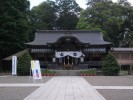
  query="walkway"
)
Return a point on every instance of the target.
[{"x": 66, "y": 88}]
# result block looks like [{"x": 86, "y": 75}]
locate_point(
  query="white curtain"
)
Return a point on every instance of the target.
[{"x": 75, "y": 54}]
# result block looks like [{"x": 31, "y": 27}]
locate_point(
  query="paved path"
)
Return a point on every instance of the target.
[{"x": 66, "y": 88}]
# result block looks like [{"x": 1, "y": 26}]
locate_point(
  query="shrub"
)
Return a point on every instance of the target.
[
  {"x": 48, "y": 72},
  {"x": 89, "y": 71},
  {"x": 110, "y": 65},
  {"x": 24, "y": 64}
]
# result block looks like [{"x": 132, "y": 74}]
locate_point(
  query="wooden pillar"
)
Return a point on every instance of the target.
[
  {"x": 1, "y": 65},
  {"x": 1, "y": 61},
  {"x": 130, "y": 70},
  {"x": 130, "y": 66},
  {"x": 120, "y": 68},
  {"x": 120, "y": 55}
]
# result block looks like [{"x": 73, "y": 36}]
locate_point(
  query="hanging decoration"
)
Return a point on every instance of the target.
[{"x": 75, "y": 54}]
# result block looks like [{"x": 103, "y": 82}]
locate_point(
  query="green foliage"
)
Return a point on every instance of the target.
[
  {"x": 24, "y": 64},
  {"x": 48, "y": 72},
  {"x": 68, "y": 14},
  {"x": 90, "y": 71},
  {"x": 49, "y": 15},
  {"x": 110, "y": 65},
  {"x": 14, "y": 26},
  {"x": 43, "y": 16},
  {"x": 128, "y": 39},
  {"x": 112, "y": 19},
  {"x": 67, "y": 6},
  {"x": 91, "y": 3}
]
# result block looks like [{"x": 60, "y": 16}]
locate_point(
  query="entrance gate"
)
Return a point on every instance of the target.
[{"x": 68, "y": 62}]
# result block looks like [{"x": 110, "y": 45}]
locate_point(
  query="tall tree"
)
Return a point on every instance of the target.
[
  {"x": 90, "y": 3},
  {"x": 44, "y": 15},
  {"x": 112, "y": 18},
  {"x": 62, "y": 14},
  {"x": 14, "y": 25},
  {"x": 68, "y": 11}
]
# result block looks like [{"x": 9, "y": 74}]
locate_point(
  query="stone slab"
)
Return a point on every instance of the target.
[{"x": 66, "y": 87}]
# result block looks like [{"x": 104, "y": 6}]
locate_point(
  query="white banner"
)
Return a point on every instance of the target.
[
  {"x": 14, "y": 65},
  {"x": 75, "y": 54},
  {"x": 36, "y": 72}
]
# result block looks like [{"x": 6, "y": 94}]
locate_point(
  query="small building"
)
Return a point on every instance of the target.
[
  {"x": 124, "y": 57},
  {"x": 69, "y": 49}
]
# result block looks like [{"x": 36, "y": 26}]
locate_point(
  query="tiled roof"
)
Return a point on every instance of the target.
[
  {"x": 18, "y": 54},
  {"x": 123, "y": 49},
  {"x": 43, "y": 37}
]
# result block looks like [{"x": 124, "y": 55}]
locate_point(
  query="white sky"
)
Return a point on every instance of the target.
[{"x": 80, "y": 2}]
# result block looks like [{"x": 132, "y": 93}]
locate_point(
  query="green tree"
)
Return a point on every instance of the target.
[
  {"x": 43, "y": 16},
  {"x": 61, "y": 15},
  {"x": 127, "y": 39},
  {"x": 111, "y": 18},
  {"x": 90, "y": 3},
  {"x": 14, "y": 25},
  {"x": 110, "y": 65},
  {"x": 24, "y": 64},
  {"x": 68, "y": 11},
  {"x": 123, "y": 2}
]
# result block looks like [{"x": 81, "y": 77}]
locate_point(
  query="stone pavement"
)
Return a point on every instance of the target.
[{"x": 66, "y": 88}]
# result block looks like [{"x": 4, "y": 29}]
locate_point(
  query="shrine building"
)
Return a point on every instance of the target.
[{"x": 69, "y": 49}]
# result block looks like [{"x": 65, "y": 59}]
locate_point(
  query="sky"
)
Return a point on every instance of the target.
[{"x": 80, "y": 2}]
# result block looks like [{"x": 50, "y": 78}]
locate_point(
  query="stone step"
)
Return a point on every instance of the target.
[{"x": 68, "y": 72}]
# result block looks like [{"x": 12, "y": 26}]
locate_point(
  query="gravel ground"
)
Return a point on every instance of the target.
[
  {"x": 21, "y": 79},
  {"x": 110, "y": 80},
  {"x": 113, "y": 81},
  {"x": 15, "y": 93},
  {"x": 117, "y": 94}
]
